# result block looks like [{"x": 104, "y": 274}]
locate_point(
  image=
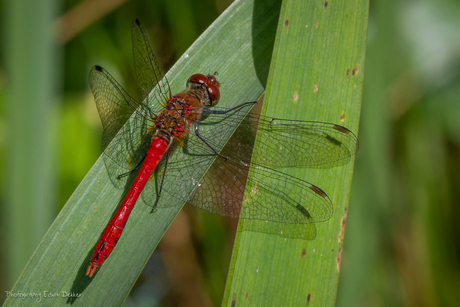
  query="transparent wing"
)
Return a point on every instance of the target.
[
  {"x": 290, "y": 143},
  {"x": 148, "y": 71},
  {"x": 125, "y": 139},
  {"x": 281, "y": 142}
]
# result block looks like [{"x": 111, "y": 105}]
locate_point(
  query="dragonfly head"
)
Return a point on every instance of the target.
[{"x": 209, "y": 84}]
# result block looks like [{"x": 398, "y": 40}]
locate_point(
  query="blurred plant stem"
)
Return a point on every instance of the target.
[{"x": 32, "y": 81}]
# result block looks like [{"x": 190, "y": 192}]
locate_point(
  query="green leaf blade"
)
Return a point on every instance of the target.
[{"x": 316, "y": 74}]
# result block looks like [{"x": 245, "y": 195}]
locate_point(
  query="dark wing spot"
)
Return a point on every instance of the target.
[
  {"x": 318, "y": 191},
  {"x": 341, "y": 129}
]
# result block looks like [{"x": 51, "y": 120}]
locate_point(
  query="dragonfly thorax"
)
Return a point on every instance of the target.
[{"x": 180, "y": 112}]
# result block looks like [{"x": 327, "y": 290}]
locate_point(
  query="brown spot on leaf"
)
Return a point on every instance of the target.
[
  {"x": 342, "y": 116},
  {"x": 344, "y": 221},
  {"x": 355, "y": 70},
  {"x": 296, "y": 97},
  {"x": 338, "y": 259},
  {"x": 286, "y": 23},
  {"x": 341, "y": 129},
  {"x": 325, "y": 5},
  {"x": 304, "y": 253},
  {"x": 342, "y": 231},
  {"x": 316, "y": 24},
  {"x": 318, "y": 191},
  {"x": 348, "y": 73},
  {"x": 315, "y": 88}
]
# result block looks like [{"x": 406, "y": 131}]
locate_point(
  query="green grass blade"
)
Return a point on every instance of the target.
[
  {"x": 316, "y": 74},
  {"x": 239, "y": 46}
]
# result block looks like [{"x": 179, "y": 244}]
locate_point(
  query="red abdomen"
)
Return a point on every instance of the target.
[{"x": 112, "y": 232}]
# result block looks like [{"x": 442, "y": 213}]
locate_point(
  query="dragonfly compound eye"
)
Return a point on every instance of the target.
[
  {"x": 214, "y": 93},
  {"x": 212, "y": 79},
  {"x": 211, "y": 84},
  {"x": 198, "y": 78}
]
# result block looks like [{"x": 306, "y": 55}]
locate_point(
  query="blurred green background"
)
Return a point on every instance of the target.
[{"x": 402, "y": 244}]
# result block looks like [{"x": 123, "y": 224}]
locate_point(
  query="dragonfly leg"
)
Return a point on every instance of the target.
[
  {"x": 132, "y": 170},
  {"x": 208, "y": 111},
  {"x": 197, "y": 132},
  {"x": 162, "y": 181}
]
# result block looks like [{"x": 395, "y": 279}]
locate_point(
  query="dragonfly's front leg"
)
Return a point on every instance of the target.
[
  {"x": 208, "y": 111},
  {"x": 197, "y": 132}
]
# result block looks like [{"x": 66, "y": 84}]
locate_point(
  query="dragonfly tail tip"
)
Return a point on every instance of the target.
[{"x": 91, "y": 269}]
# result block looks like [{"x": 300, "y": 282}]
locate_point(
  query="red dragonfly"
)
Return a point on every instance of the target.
[{"x": 144, "y": 142}]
